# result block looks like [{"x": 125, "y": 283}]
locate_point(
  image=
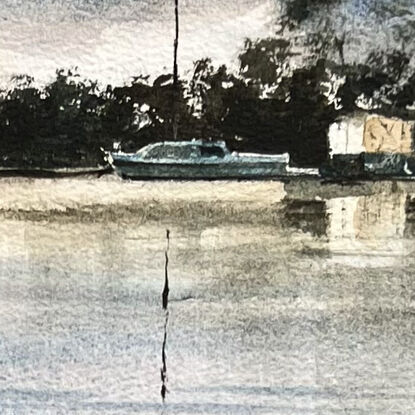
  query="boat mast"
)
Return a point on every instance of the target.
[{"x": 175, "y": 70}]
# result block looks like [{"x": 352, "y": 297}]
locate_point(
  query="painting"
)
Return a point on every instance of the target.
[{"x": 207, "y": 207}]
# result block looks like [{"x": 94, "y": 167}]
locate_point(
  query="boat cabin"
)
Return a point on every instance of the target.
[{"x": 184, "y": 150}]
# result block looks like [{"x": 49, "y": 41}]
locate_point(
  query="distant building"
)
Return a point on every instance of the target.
[
  {"x": 388, "y": 135},
  {"x": 346, "y": 135},
  {"x": 362, "y": 132}
]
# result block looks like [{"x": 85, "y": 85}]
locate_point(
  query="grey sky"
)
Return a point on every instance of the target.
[
  {"x": 113, "y": 40},
  {"x": 121, "y": 10}
]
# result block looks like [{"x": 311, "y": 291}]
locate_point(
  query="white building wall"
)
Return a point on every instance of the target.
[{"x": 346, "y": 136}]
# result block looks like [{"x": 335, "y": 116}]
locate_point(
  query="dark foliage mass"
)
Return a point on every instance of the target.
[
  {"x": 57, "y": 126},
  {"x": 269, "y": 106},
  {"x": 298, "y": 11}
]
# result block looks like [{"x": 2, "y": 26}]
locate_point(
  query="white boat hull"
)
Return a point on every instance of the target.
[{"x": 229, "y": 170}]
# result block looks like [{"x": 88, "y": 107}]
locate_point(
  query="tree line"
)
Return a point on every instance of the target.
[{"x": 286, "y": 93}]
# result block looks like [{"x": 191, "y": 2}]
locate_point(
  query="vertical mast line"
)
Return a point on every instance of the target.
[
  {"x": 176, "y": 44},
  {"x": 175, "y": 70}
]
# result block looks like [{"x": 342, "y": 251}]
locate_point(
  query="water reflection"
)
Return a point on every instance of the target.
[
  {"x": 367, "y": 231},
  {"x": 309, "y": 216},
  {"x": 254, "y": 318},
  {"x": 409, "y": 231},
  {"x": 370, "y": 230}
]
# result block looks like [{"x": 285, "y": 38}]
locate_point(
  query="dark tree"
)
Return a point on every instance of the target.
[
  {"x": 20, "y": 122},
  {"x": 59, "y": 126},
  {"x": 383, "y": 81},
  {"x": 310, "y": 115},
  {"x": 141, "y": 113},
  {"x": 294, "y": 113}
]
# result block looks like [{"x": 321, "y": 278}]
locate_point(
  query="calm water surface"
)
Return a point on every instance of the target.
[{"x": 283, "y": 300}]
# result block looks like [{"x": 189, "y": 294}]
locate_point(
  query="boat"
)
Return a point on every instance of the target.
[
  {"x": 344, "y": 167},
  {"x": 370, "y": 166},
  {"x": 196, "y": 159}
]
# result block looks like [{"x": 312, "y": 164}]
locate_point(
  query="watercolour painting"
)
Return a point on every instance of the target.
[{"x": 207, "y": 207}]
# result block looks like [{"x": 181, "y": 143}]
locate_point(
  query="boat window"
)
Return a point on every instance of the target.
[
  {"x": 211, "y": 151},
  {"x": 172, "y": 152}
]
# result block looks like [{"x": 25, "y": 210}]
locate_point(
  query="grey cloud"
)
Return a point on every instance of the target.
[{"x": 141, "y": 10}]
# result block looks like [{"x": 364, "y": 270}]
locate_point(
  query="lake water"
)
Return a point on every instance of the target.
[{"x": 294, "y": 298}]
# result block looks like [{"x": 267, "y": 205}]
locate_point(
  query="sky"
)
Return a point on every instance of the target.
[{"x": 113, "y": 40}]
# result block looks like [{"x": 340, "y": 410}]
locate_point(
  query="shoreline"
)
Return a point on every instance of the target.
[
  {"x": 86, "y": 172},
  {"x": 62, "y": 172},
  {"x": 109, "y": 196}
]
